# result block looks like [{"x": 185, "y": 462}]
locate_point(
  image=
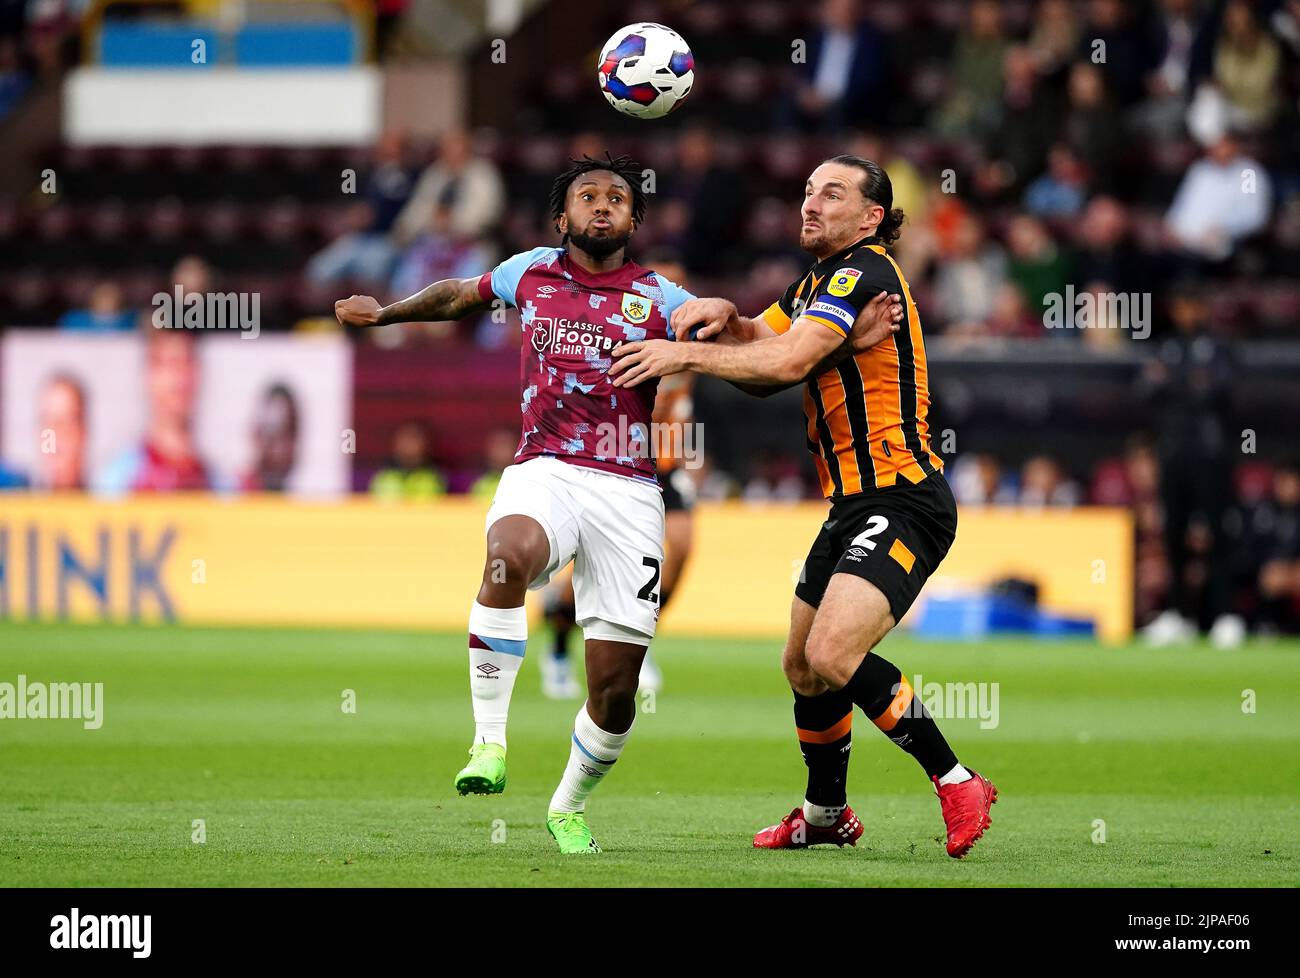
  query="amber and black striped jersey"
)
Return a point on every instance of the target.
[{"x": 867, "y": 417}]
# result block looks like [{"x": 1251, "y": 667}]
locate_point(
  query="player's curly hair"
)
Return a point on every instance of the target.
[
  {"x": 623, "y": 166},
  {"x": 877, "y": 187}
]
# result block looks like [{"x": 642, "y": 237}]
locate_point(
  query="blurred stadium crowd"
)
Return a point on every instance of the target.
[
  {"x": 1035, "y": 145},
  {"x": 1032, "y": 144}
]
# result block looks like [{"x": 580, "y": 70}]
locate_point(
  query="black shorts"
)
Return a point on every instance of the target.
[
  {"x": 679, "y": 491},
  {"x": 893, "y": 537}
]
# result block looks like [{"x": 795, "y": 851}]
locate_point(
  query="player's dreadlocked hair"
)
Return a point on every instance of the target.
[
  {"x": 623, "y": 166},
  {"x": 877, "y": 187}
]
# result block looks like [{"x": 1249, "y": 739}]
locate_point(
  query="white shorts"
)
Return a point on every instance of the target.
[{"x": 610, "y": 526}]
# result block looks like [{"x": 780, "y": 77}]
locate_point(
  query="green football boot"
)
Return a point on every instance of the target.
[
  {"x": 485, "y": 774},
  {"x": 571, "y": 832}
]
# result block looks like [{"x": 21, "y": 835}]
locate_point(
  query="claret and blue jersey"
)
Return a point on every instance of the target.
[{"x": 572, "y": 320}]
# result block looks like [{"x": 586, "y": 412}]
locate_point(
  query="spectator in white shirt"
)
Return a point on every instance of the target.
[
  {"x": 1224, "y": 197},
  {"x": 469, "y": 189}
]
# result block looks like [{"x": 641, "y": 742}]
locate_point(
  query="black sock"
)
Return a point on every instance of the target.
[
  {"x": 886, "y": 697},
  {"x": 824, "y": 724},
  {"x": 560, "y": 614},
  {"x": 560, "y": 648}
]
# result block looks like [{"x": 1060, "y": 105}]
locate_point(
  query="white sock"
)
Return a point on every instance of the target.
[
  {"x": 591, "y": 754},
  {"x": 821, "y": 815},
  {"x": 497, "y": 637},
  {"x": 956, "y": 776}
]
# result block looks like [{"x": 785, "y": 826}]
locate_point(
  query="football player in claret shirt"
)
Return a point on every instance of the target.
[
  {"x": 583, "y": 487},
  {"x": 673, "y": 416},
  {"x": 892, "y": 516}
]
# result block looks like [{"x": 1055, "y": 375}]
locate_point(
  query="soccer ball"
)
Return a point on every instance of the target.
[{"x": 646, "y": 70}]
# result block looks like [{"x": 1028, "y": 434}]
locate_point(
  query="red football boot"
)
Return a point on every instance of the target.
[
  {"x": 966, "y": 811},
  {"x": 795, "y": 832}
]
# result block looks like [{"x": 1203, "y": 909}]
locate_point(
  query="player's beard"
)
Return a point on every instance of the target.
[
  {"x": 600, "y": 246},
  {"x": 814, "y": 242}
]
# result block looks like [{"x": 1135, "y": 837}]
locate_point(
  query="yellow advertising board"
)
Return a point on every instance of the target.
[{"x": 258, "y": 560}]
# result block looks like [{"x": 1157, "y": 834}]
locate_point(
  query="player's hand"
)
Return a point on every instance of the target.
[
  {"x": 358, "y": 310},
  {"x": 635, "y": 362},
  {"x": 715, "y": 314},
  {"x": 878, "y": 319}
]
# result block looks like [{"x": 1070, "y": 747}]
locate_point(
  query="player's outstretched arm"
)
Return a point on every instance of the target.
[
  {"x": 879, "y": 319},
  {"x": 452, "y": 298},
  {"x": 782, "y": 359},
  {"x": 779, "y": 360}
]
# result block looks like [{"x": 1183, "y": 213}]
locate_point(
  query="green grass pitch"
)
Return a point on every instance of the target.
[{"x": 245, "y": 730}]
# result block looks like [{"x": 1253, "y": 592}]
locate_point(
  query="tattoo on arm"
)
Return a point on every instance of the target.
[{"x": 452, "y": 298}]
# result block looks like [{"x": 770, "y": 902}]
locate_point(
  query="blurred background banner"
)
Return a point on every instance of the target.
[
  {"x": 365, "y": 564},
  {"x": 1103, "y": 228},
  {"x": 274, "y": 414},
  {"x": 304, "y": 107}
]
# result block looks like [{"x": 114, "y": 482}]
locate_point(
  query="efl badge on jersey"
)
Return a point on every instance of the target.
[
  {"x": 636, "y": 308},
  {"x": 843, "y": 281}
]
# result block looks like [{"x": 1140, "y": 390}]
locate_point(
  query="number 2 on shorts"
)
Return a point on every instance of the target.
[
  {"x": 647, "y": 593},
  {"x": 876, "y": 525}
]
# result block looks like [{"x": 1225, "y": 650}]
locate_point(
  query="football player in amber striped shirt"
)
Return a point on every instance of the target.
[{"x": 892, "y": 517}]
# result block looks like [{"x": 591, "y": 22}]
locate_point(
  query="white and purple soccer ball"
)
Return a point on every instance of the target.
[{"x": 646, "y": 70}]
